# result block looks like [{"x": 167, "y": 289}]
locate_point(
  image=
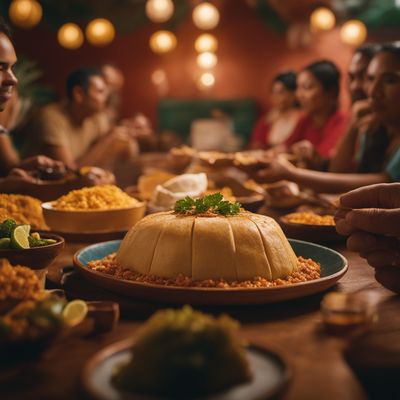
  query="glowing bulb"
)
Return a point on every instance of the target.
[
  {"x": 70, "y": 36},
  {"x": 322, "y": 19},
  {"x": 353, "y": 32},
  {"x": 206, "y": 42},
  {"x": 100, "y": 32},
  {"x": 205, "y": 16},
  {"x": 207, "y": 60},
  {"x": 25, "y": 13},
  {"x": 162, "y": 42},
  {"x": 206, "y": 81},
  {"x": 159, "y": 10}
]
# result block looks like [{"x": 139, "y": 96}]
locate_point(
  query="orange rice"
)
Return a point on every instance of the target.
[{"x": 308, "y": 270}]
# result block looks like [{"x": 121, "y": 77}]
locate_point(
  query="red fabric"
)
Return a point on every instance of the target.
[
  {"x": 324, "y": 138},
  {"x": 260, "y": 132}
]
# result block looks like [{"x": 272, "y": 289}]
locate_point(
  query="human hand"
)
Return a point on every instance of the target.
[
  {"x": 92, "y": 176},
  {"x": 373, "y": 228},
  {"x": 303, "y": 149},
  {"x": 277, "y": 170},
  {"x": 42, "y": 163}
]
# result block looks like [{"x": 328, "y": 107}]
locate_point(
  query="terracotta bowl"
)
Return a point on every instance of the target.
[
  {"x": 93, "y": 221},
  {"x": 36, "y": 258},
  {"x": 312, "y": 233}
]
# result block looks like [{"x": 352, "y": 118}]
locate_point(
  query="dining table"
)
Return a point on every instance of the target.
[{"x": 294, "y": 329}]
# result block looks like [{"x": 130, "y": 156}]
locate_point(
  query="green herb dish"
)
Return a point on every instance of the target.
[
  {"x": 14, "y": 236},
  {"x": 213, "y": 203}
]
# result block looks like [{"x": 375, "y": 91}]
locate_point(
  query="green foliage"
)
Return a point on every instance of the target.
[
  {"x": 7, "y": 227},
  {"x": 213, "y": 203}
]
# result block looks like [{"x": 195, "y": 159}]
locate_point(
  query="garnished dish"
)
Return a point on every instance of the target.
[
  {"x": 183, "y": 354},
  {"x": 22, "y": 209},
  {"x": 207, "y": 242},
  {"x": 310, "y": 218}
]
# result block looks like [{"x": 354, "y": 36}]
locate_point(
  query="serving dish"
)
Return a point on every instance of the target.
[
  {"x": 35, "y": 257},
  {"x": 96, "y": 221},
  {"x": 310, "y": 232},
  {"x": 271, "y": 375},
  {"x": 333, "y": 267}
]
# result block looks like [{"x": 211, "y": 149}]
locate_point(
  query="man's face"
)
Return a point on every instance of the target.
[
  {"x": 383, "y": 87},
  {"x": 8, "y": 80},
  {"x": 356, "y": 75},
  {"x": 97, "y": 94}
]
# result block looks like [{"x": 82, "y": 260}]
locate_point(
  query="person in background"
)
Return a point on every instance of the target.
[
  {"x": 78, "y": 131},
  {"x": 362, "y": 119},
  {"x": 279, "y": 123},
  {"x": 323, "y": 123},
  {"x": 371, "y": 218},
  {"x": 377, "y": 166},
  {"x": 14, "y": 172},
  {"x": 115, "y": 81}
]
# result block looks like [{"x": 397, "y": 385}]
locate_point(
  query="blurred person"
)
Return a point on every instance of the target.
[
  {"x": 78, "y": 131},
  {"x": 279, "y": 123},
  {"x": 362, "y": 118},
  {"x": 323, "y": 123},
  {"x": 115, "y": 81},
  {"x": 373, "y": 165},
  {"x": 371, "y": 218}
]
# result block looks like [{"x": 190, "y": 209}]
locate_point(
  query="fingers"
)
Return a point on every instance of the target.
[
  {"x": 383, "y": 258},
  {"x": 373, "y": 220},
  {"x": 385, "y": 195}
]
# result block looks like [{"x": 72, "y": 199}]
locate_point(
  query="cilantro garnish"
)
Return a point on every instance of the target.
[{"x": 213, "y": 203}]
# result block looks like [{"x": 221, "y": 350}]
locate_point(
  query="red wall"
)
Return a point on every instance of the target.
[{"x": 249, "y": 55}]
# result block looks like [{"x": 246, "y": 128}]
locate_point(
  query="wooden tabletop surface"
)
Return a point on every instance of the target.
[{"x": 292, "y": 328}]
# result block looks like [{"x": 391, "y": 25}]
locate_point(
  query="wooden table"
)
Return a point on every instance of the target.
[{"x": 293, "y": 328}]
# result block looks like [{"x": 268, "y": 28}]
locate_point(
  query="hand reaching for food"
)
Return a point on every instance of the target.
[{"x": 371, "y": 219}]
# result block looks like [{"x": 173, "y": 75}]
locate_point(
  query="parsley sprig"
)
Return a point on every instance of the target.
[{"x": 213, "y": 203}]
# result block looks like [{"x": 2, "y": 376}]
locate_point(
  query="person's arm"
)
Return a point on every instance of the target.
[
  {"x": 60, "y": 153},
  {"x": 9, "y": 157},
  {"x": 326, "y": 182}
]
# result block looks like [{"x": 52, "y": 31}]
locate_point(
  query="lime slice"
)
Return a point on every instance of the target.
[
  {"x": 74, "y": 312},
  {"x": 19, "y": 238},
  {"x": 5, "y": 243},
  {"x": 27, "y": 228}
]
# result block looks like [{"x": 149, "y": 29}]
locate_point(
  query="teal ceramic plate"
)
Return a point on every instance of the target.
[
  {"x": 333, "y": 267},
  {"x": 270, "y": 375}
]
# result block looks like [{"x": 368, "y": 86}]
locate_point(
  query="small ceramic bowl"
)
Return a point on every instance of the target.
[
  {"x": 92, "y": 221},
  {"x": 36, "y": 258}
]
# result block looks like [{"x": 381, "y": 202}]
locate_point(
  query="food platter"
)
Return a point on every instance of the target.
[
  {"x": 333, "y": 267},
  {"x": 270, "y": 375},
  {"x": 314, "y": 233}
]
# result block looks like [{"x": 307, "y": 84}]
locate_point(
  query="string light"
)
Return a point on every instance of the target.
[
  {"x": 205, "y": 16},
  {"x": 25, "y": 13},
  {"x": 100, "y": 32},
  {"x": 162, "y": 42},
  {"x": 353, "y": 32},
  {"x": 206, "y": 81},
  {"x": 206, "y": 42},
  {"x": 159, "y": 10},
  {"x": 207, "y": 60},
  {"x": 322, "y": 19},
  {"x": 70, "y": 36}
]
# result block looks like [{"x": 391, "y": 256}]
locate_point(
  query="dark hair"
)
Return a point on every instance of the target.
[
  {"x": 4, "y": 28},
  {"x": 288, "y": 79},
  {"x": 392, "y": 48},
  {"x": 81, "y": 78},
  {"x": 367, "y": 50},
  {"x": 327, "y": 74}
]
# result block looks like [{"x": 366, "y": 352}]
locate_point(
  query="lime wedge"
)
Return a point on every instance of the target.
[
  {"x": 19, "y": 238},
  {"x": 5, "y": 243},
  {"x": 27, "y": 228},
  {"x": 74, "y": 312}
]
